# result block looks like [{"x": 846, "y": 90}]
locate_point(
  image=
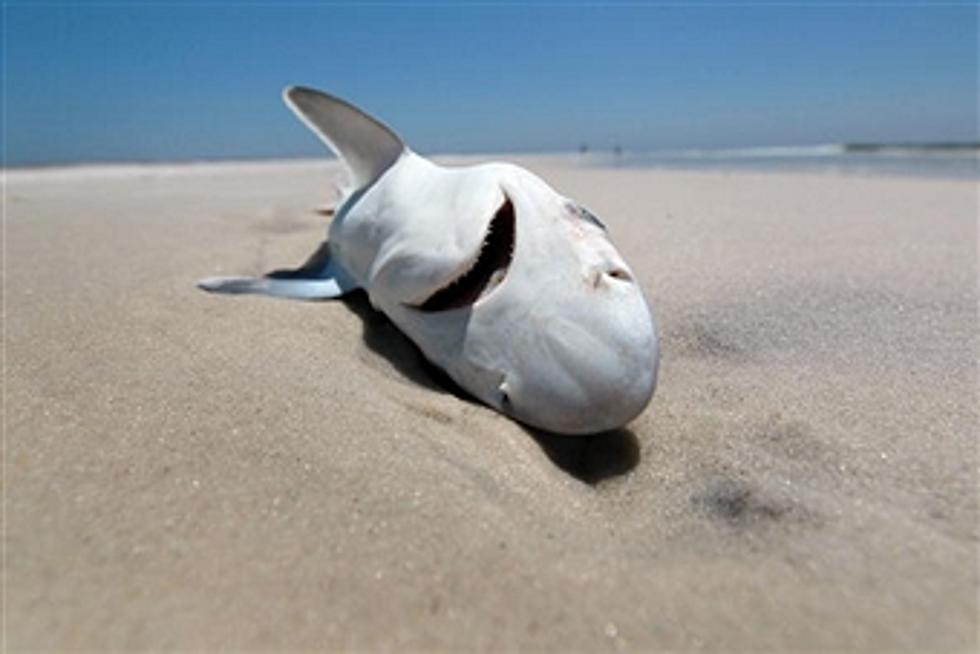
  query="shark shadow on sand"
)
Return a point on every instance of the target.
[{"x": 590, "y": 459}]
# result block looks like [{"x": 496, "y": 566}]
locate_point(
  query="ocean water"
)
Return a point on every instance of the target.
[{"x": 960, "y": 161}]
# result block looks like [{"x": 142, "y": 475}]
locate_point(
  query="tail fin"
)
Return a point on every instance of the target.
[{"x": 320, "y": 278}]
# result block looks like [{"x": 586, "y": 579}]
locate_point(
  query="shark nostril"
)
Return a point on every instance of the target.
[
  {"x": 504, "y": 396},
  {"x": 599, "y": 274}
]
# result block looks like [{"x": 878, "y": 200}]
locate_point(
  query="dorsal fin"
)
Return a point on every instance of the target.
[{"x": 366, "y": 145}]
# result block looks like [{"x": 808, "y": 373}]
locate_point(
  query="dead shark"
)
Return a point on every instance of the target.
[{"x": 513, "y": 289}]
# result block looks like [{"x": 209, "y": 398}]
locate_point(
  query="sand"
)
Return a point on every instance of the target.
[{"x": 199, "y": 472}]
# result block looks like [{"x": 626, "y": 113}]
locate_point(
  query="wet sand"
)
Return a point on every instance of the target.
[{"x": 190, "y": 471}]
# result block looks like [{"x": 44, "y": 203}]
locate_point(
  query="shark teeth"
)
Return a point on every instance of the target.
[{"x": 486, "y": 273}]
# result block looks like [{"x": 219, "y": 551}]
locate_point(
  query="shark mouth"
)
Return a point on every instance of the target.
[{"x": 486, "y": 273}]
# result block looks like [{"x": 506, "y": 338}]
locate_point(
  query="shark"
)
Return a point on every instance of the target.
[{"x": 513, "y": 289}]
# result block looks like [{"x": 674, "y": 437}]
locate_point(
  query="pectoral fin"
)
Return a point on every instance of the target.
[{"x": 366, "y": 145}]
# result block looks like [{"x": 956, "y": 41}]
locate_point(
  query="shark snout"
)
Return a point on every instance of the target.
[{"x": 593, "y": 373}]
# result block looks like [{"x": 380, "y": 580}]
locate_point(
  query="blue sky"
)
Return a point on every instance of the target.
[{"x": 118, "y": 82}]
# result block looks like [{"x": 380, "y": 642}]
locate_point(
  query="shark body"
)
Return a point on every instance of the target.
[{"x": 510, "y": 287}]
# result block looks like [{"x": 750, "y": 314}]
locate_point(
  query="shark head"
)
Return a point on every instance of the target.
[
  {"x": 542, "y": 318},
  {"x": 513, "y": 289}
]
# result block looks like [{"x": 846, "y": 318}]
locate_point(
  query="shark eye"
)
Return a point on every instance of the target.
[{"x": 587, "y": 215}]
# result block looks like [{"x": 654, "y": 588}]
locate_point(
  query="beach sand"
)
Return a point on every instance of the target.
[{"x": 197, "y": 472}]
